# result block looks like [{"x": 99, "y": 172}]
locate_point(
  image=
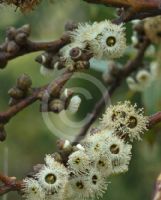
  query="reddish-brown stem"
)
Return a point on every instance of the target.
[
  {"x": 9, "y": 184},
  {"x": 154, "y": 119},
  {"x": 13, "y": 110},
  {"x": 31, "y": 46},
  {"x": 133, "y": 9},
  {"x": 135, "y": 4}
]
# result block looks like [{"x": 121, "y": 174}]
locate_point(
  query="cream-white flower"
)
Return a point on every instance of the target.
[
  {"x": 133, "y": 85},
  {"x": 112, "y": 41},
  {"x": 79, "y": 162},
  {"x": 53, "y": 178},
  {"x": 119, "y": 151},
  {"x": 32, "y": 190},
  {"x": 88, "y": 186},
  {"x": 87, "y": 32},
  {"x": 95, "y": 146},
  {"x": 66, "y": 144},
  {"x": 97, "y": 183},
  {"x": 144, "y": 77},
  {"x": 126, "y": 119},
  {"x": 143, "y": 80},
  {"x": 103, "y": 164},
  {"x": 104, "y": 39},
  {"x": 80, "y": 188},
  {"x": 49, "y": 160}
]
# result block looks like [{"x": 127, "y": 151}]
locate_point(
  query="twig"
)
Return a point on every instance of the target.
[
  {"x": 36, "y": 95},
  {"x": 139, "y": 5},
  {"x": 133, "y": 9},
  {"x": 154, "y": 119},
  {"x": 18, "y": 44},
  {"x": 9, "y": 184}
]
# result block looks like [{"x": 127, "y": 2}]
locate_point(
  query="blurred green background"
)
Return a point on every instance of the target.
[{"x": 29, "y": 139}]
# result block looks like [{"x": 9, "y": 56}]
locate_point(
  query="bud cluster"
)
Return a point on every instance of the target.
[
  {"x": 21, "y": 90},
  {"x": 14, "y": 42},
  {"x": 103, "y": 40},
  {"x": 59, "y": 100}
]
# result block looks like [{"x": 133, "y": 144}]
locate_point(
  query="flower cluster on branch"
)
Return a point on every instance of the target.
[{"x": 79, "y": 170}]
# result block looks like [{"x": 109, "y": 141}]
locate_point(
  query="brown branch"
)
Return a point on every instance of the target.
[
  {"x": 139, "y": 5},
  {"x": 154, "y": 119},
  {"x": 36, "y": 95},
  {"x": 133, "y": 9},
  {"x": 18, "y": 44},
  {"x": 9, "y": 184},
  {"x": 31, "y": 46},
  {"x": 121, "y": 76}
]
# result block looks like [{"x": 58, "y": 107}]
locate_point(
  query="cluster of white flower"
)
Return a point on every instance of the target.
[
  {"x": 101, "y": 154},
  {"x": 102, "y": 39},
  {"x": 143, "y": 78},
  {"x": 126, "y": 120}
]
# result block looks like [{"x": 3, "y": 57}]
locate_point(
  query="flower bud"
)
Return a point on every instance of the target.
[
  {"x": 82, "y": 65},
  {"x": 75, "y": 53},
  {"x": 67, "y": 93},
  {"x": 45, "y": 59},
  {"x": 16, "y": 93},
  {"x": 13, "y": 102},
  {"x": 54, "y": 89},
  {"x": 57, "y": 157},
  {"x": 65, "y": 146},
  {"x": 12, "y": 47},
  {"x": 56, "y": 105},
  {"x": 10, "y": 33},
  {"x": 24, "y": 82},
  {"x": 25, "y": 29},
  {"x": 21, "y": 38}
]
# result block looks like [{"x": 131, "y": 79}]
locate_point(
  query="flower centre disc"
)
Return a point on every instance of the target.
[
  {"x": 114, "y": 149},
  {"x": 110, "y": 41},
  {"x": 80, "y": 185},
  {"x": 50, "y": 178},
  {"x": 132, "y": 122}
]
